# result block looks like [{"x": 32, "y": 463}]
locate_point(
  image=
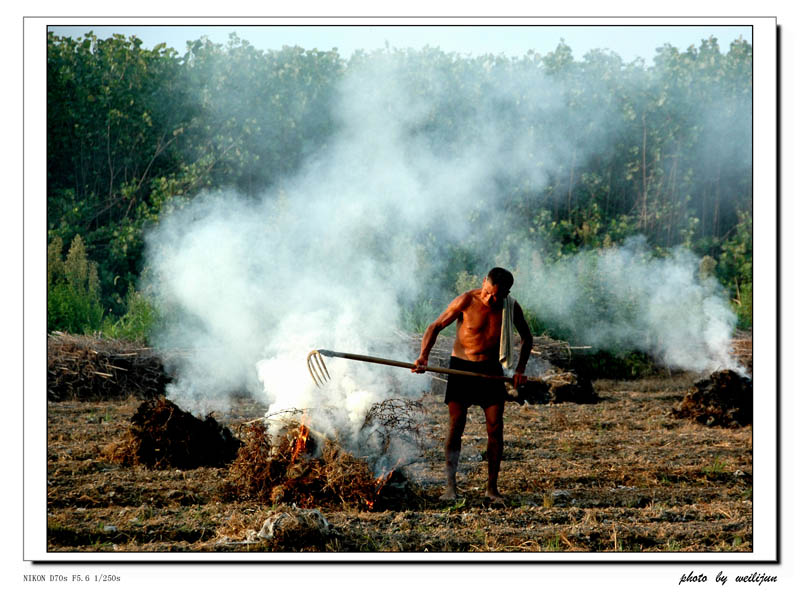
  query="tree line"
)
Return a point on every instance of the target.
[{"x": 132, "y": 132}]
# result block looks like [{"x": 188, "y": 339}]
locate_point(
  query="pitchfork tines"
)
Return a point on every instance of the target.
[{"x": 316, "y": 366}]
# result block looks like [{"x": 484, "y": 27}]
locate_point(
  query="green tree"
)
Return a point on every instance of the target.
[
  {"x": 618, "y": 149},
  {"x": 138, "y": 321},
  {"x": 736, "y": 267},
  {"x": 73, "y": 289},
  {"x": 260, "y": 113},
  {"x": 116, "y": 112}
]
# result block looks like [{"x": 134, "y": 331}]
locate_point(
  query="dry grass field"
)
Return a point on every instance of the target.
[{"x": 621, "y": 475}]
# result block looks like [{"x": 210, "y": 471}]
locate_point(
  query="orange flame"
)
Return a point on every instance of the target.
[
  {"x": 301, "y": 440},
  {"x": 379, "y": 483},
  {"x": 382, "y": 481}
]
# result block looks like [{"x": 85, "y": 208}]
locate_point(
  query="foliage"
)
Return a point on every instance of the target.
[
  {"x": 416, "y": 316},
  {"x": 116, "y": 114},
  {"x": 743, "y": 305},
  {"x": 73, "y": 291},
  {"x": 736, "y": 267},
  {"x": 624, "y": 365},
  {"x": 466, "y": 281},
  {"x": 138, "y": 321},
  {"x": 131, "y": 130}
]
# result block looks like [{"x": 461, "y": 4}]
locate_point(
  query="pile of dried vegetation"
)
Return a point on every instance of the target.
[
  {"x": 91, "y": 368},
  {"x": 162, "y": 435},
  {"x": 724, "y": 399},
  {"x": 558, "y": 387},
  {"x": 742, "y": 349},
  {"x": 299, "y": 465}
]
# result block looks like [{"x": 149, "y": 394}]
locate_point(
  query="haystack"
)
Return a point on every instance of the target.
[
  {"x": 91, "y": 368},
  {"x": 724, "y": 399},
  {"x": 162, "y": 435}
]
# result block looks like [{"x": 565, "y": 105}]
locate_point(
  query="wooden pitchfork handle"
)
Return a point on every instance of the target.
[{"x": 399, "y": 364}]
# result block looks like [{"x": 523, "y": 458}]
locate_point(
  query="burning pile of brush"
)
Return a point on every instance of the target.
[
  {"x": 285, "y": 460},
  {"x": 282, "y": 459}
]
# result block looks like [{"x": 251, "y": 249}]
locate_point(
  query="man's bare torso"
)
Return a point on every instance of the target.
[{"x": 478, "y": 329}]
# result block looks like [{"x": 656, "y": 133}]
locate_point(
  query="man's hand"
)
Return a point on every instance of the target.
[
  {"x": 420, "y": 365},
  {"x": 519, "y": 379}
]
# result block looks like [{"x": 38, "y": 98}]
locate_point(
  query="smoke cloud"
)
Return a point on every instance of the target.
[
  {"x": 622, "y": 299},
  {"x": 331, "y": 256}
]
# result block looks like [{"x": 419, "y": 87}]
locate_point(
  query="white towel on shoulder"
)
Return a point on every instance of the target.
[{"x": 507, "y": 333}]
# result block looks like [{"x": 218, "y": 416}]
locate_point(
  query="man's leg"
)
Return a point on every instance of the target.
[
  {"x": 494, "y": 447},
  {"x": 452, "y": 448}
]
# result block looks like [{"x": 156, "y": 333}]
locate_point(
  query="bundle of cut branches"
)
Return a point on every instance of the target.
[
  {"x": 742, "y": 349},
  {"x": 95, "y": 368}
]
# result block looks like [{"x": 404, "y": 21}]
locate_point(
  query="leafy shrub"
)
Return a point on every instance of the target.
[
  {"x": 736, "y": 268},
  {"x": 137, "y": 322},
  {"x": 627, "y": 365},
  {"x": 416, "y": 316},
  {"x": 466, "y": 281},
  {"x": 73, "y": 289},
  {"x": 743, "y": 305}
]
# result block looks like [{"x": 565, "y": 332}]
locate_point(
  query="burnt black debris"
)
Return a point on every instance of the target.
[
  {"x": 724, "y": 399},
  {"x": 562, "y": 387},
  {"x": 162, "y": 435}
]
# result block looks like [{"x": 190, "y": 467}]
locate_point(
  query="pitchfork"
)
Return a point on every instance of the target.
[{"x": 319, "y": 373}]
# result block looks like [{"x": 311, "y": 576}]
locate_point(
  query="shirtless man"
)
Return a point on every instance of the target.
[{"x": 479, "y": 314}]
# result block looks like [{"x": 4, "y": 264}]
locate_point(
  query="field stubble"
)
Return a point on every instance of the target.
[{"x": 622, "y": 475}]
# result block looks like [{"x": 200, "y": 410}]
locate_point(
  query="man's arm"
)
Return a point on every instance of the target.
[
  {"x": 527, "y": 344},
  {"x": 451, "y": 313}
]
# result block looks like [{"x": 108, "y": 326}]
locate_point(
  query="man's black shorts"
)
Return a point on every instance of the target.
[{"x": 469, "y": 390}]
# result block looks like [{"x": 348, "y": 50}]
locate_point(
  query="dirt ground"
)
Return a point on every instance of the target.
[{"x": 621, "y": 475}]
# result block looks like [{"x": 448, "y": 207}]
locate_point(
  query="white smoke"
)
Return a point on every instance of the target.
[
  {"x": 622, "y": 298},
  {"x": 251, "y": 289},
  {"x": 326, "y": 260}
]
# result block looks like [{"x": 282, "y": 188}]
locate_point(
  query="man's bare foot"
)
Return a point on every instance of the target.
[
  {"x": 494, "y": 497},
  {"x": 449, "y": 494}
]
